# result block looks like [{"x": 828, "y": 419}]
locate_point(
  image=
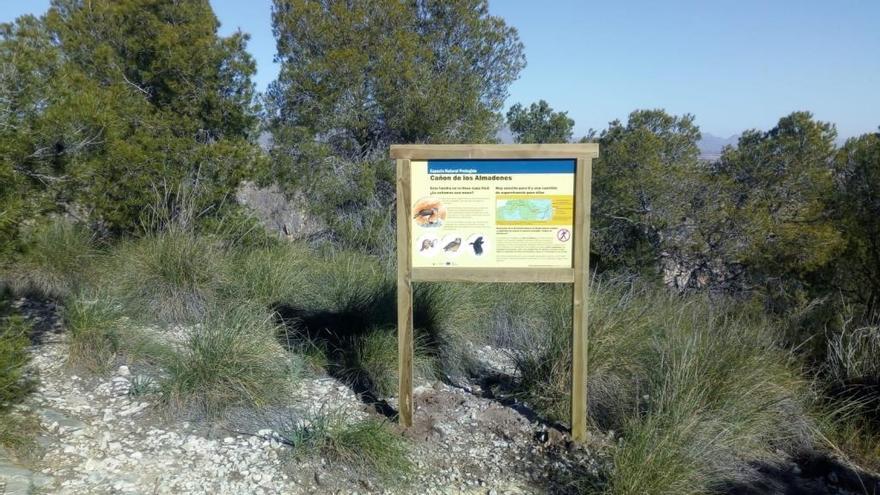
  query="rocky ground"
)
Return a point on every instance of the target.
[
  {"x": 105, "y": 436},
  {"x": 101, "y": 436}
]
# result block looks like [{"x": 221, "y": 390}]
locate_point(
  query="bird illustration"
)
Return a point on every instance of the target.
[
  {"x": 478, "y": 245},
  {"x": 429, "y": 212},
  {"x": 425, "y": 214},
  {"x": 453, "y": 246},
  {"x": 428, "y": 244}
]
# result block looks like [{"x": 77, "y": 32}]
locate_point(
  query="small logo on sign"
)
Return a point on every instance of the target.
[{"x": 563, "y": 234}]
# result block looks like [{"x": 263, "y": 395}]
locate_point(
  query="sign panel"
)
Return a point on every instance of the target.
[
  {"x": 516, "y": 213},
  {"x": 494, "y": 213}
]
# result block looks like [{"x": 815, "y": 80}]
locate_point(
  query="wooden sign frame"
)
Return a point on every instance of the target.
[{"x": 583, "y": 155}]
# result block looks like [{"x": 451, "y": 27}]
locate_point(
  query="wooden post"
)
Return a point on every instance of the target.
[
  {"x": 577, "y": 273},
  {"x": 404, "y": 295},
  {"x": 579, "y": 306}
]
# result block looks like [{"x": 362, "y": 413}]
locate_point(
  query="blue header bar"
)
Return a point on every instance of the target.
[{"x": 501, "y": 166}]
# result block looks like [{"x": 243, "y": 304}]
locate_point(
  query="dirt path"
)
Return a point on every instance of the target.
[{"x": 100, "y": 439}]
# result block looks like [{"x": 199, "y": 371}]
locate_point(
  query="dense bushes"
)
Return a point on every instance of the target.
[
  {"x": 110, "y": 106},
  {"x": 695, "y": 388}
]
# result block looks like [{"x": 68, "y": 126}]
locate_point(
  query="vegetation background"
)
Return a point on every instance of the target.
[{"x": 735, "y": 308}]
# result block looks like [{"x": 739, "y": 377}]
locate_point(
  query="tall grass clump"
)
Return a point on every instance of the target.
[
  {"x": 168, "y": 277},
  {"x": 237, "y": 227},
  {"x": 101, "y": 335},
  {"x": 18, "y": 435},
  {"x": 351, "y": 284},
  {"x": 14, "y": 357},
  {"x": 268, "y": 276},
  {"x": 56, "y": 257},
  {"x": 448, "y": 320},
  {"x": 345, "y": 304},
  {"x": 374, "y": 361},
  {"x": 338, "y": 298},
  {"x": 694, "y": 389},
  {"x": 718, "y": 394},
  {"x": 18, "y": 429},
  {"x": 852, "y": 371},
  {"x": 230, "y": 358},
  {"x": 533, "y": 324},
  {"x": 369, "y": 445},
  {"x": 95, "y": 325},
  {"x": 854, "y": 357}
]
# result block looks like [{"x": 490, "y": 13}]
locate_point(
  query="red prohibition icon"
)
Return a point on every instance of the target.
[{"x": 563, "y": 234}]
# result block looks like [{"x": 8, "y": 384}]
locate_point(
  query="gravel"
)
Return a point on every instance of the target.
[{"x": 99, "y": 438}]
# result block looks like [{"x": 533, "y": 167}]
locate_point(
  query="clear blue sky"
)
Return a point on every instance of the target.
[{"x": 735, "y": 64}]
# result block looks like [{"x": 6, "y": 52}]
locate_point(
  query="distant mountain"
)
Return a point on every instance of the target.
[{"x": 711, "y": 145}]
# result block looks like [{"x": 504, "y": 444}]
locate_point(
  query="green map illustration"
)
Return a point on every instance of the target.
[{"x": 524, "y": 210}]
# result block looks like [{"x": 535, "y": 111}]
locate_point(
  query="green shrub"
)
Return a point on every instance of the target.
[
  {"x": 14, "y": 357},
  {"x": 375, "y": 362},
  {"x": 368, "y": 445},
  {"x": 230, "y": 358},
  {"x": 170, "y": 277},
  {"x": 55, "y": 260},
  {"x": 142, "y": 385},
  {"x": 95, "y": 326},
  {"x": 341, "y": 295}
]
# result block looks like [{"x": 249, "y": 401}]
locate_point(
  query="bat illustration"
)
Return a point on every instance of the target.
[
  {"x": 478, "y": 245},
  {"x": 429, "y": 212},
  {"x": 453, "y": 246},
  {"x": 428, "y": 244}
]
